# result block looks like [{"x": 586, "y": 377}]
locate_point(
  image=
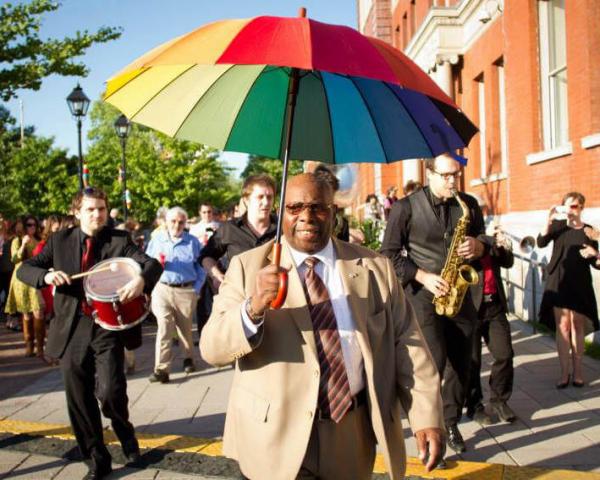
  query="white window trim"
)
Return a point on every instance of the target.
[
  {"x": 590, "y": 141},
  {"x": 538, "y": 157},
  {"x": 494, "y": 177},
  {"x": 503, "y": 121},
  {"x": 482, "y": 127}
]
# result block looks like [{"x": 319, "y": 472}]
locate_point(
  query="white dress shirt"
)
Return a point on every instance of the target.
[{"x": 326, "y": 269}]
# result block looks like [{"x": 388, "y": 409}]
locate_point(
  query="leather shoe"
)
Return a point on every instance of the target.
[
  {"x": 504, "y": 412},
  {"x": 98, "y": 473},
  {"x": 455, "y": 440},
  {"x": 131, "y": 450},
  {"x": 188, "y": 366},
  {"x": 479, "y": 415},
  {"x": 159, "y": 376}
]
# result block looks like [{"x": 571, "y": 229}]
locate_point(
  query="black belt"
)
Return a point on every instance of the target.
[
  {"x": 179, "y": 285},
  {"x": 357, "y": 400},
  {"x": 490, "y": 297}
]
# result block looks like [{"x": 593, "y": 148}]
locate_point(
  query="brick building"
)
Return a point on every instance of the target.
[{"x": 525, "y": 72}]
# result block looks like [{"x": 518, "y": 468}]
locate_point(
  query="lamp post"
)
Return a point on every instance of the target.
[
  {"x": 122, "y": 129},
  {"x": 78, "y": 105}
]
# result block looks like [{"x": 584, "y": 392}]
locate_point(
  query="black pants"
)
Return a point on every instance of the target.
[
  {"x": 494, "y": 328},
  {"x": 92, "y": 368},
  {"x": 450, "y": 342}
]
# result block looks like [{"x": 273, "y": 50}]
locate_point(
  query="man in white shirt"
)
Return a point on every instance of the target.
[
  {"x": 207, "y": 225},
  {"x": 323, "y": 379}
]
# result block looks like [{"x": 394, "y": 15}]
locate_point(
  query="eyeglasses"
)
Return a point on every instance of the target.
[
  {"x": 447, "y": 176},
  {"x": 314, "y": 208},
  {"x": 31, "y": 225},
  {"x": 574, "y": 207}
]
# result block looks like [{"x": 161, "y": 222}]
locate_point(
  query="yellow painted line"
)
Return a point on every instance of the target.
[{"x": 457, "y": 470}]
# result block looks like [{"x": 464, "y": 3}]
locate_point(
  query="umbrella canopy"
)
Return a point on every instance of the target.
[{"x": 226, "y": 84}]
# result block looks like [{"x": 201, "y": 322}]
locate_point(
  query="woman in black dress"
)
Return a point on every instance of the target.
[{"x": 569, "y": 304}]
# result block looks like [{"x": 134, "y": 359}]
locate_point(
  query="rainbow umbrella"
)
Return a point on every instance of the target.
[{"x": 290, "y": 88}]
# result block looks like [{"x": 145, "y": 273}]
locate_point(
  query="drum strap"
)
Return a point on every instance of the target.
[{"x": 87, "y": 262}]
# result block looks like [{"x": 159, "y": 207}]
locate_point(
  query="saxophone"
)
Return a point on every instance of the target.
[{"x": 458, "y": 274}]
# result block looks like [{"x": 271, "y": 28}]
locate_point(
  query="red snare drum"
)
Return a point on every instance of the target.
[{"x": 101, "y": 293}]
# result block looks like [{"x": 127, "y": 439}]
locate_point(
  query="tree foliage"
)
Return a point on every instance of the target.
[
  {"x": 26, "y": 59},
  {"x": 38, "y": 178},
  {"x": 270, "y": 166},
  {"x": 160, "y": 170}
]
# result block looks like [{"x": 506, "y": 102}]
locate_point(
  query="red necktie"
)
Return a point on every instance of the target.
[
  {"x": 334, "y": 388},
  {"x": 87, "y": 261}
]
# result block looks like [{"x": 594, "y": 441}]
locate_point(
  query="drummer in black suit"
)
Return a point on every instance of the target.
[{"x": 85, "y": 349}]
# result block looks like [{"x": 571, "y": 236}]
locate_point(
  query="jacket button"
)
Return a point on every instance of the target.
[
  {"x": 316, "y": 373},
  {"x": 309, "y": 414}
]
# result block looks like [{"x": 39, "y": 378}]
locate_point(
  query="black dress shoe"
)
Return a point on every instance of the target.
[
  {"x": 562, "y": 385},
  {"x": 455, "y": 440},
  {"x": 479, "y": 414},
  {"x": 98, "y": 473},
  {"x": 131, "y": 450},
  {"x": 504, "y": 412},
  {"x": 188, "y": 366},
  {"x": 159, "y": 376}
]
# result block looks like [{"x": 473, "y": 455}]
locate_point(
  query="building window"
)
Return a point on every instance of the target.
[
  {"x": 502, "y": 115},
  {"x": 553, "y": 73},
  {"x": 482, "y": 127}
]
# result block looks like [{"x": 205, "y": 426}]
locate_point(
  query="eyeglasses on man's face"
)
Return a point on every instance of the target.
[
  {"x": 448, "y": 175},
  {"x": 314, "y": 208}
]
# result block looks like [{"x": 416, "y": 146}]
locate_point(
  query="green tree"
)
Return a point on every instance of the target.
[
  {"x": 26, "y": 59},
  {"x": 270, "y": 166},
  {"x": 160, "y": 170},
  {"x": 36, "y": 178}
]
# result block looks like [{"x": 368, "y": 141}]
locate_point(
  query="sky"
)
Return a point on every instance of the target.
[{"x": 145, "y": 24}]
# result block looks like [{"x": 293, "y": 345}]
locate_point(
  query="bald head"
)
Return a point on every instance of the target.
[{"x": 308, "y": 214}]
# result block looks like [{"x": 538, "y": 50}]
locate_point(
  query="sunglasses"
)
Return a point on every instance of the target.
[
  {"x": 449, "y": 175},
  {"x": 574, "y": 207},
  {"x": 314, "y": 208},
  {"x": 31, "y": 225}
]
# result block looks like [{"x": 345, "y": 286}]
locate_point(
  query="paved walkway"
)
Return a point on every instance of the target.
[{"x": 556, "y": 430}]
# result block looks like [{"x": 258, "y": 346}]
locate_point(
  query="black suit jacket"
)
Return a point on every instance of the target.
[
  {"x": 415, "y": 238},
  {"x": 63, "y": 252}
]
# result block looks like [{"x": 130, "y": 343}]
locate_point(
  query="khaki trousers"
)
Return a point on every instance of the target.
[
  {"x": 173, "y": 308},
  {"x": 344, "y": 450}
]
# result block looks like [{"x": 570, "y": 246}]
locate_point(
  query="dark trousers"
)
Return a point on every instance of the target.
[
  {"x": 494, "y": 328},
  {"x": 450, "y": 342},
  {"x": 92, "y": 368}
]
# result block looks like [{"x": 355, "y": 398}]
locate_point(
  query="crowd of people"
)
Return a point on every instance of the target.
[{"x": 345, "y": 322}]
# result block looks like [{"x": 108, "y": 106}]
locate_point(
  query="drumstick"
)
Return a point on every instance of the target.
[{"x": 113, "y": 267}]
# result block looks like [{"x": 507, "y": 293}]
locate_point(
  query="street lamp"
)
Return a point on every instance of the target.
[
  {"x": 78, "y": 104},
  {"x": 122, "y": 129}
]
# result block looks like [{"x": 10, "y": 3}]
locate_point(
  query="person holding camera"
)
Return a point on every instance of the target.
[{"x": 569, "y": 303}]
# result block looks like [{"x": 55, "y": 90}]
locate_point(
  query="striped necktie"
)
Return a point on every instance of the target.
[{"x": 334, "y": 388}]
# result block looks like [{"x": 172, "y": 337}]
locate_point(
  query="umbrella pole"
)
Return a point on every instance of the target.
[{"x": 289, "y": 125}]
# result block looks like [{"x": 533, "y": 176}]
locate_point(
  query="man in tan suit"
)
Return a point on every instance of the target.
[{"x": 322, "y": 380}]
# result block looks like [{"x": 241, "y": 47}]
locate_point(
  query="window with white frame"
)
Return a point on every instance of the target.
[
  {"x": 482, "y": 130},
  {"x": 553, "y": 73},
  {"x": 502, "y": 119}
]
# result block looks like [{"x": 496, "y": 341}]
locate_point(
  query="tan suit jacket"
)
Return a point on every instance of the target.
[{"x": 274, "y": 392}]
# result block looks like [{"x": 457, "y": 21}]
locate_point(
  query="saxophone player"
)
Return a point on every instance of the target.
[{"x": 419, "y": 234}]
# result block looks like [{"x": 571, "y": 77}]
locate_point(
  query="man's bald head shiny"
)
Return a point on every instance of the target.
[{"x": 308, "y": 214}]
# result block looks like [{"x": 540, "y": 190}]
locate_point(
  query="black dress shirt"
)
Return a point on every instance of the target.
[{"x": 234, "y": 237}]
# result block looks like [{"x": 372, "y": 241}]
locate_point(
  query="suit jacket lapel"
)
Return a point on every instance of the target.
[
  {"x": 355, "y": 279},
  {"x": 295, "y": 302},
  {"x": 73, "y": 252}
]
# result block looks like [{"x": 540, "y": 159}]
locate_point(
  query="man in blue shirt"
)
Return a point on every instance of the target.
[{"x": 175, "y": 295}]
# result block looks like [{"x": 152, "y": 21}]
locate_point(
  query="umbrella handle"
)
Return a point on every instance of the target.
[{"x": 283, "y": 279}]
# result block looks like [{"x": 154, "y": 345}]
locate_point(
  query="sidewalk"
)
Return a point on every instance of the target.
[{"x": 180, "y": 423}]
